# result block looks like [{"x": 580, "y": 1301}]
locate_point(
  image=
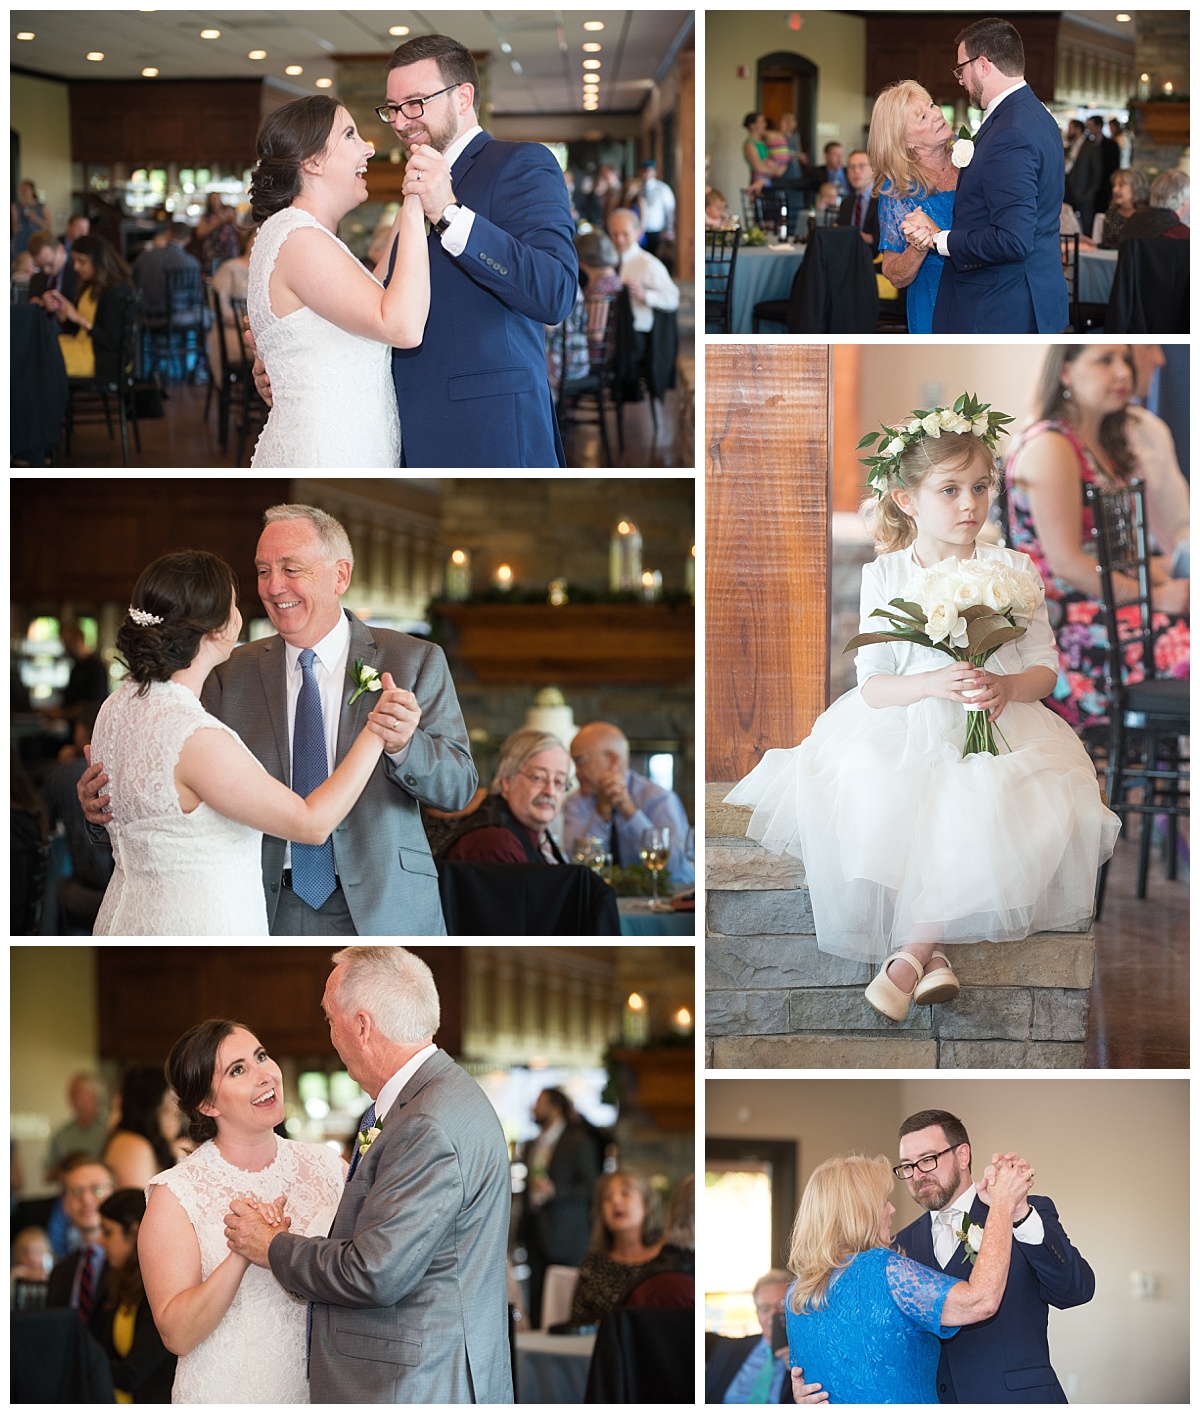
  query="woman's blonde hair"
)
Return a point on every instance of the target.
[
  {"x": 893, "y": 528},
  {"x": 890, "y": 157},
  {"x": 840, "y": 1215}
]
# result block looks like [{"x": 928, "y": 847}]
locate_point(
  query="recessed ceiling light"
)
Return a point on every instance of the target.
[
  {"x": 591, "y": 63},
  {"x": 95, "y": 56},
  {"x": 294, "y": 69},
  {"x": 257, "y": 54},
  {"x": 149, "y": 73},
  {"x": 26, "y": 34},
  {"x": 210, "y": 34},
  {"x": 592, "y": 47},
  {"x": 324, "y": 83},
  {"x": 593, "y": 25},
  {"x": 591, "y": 79},
  {"x": 398, "y": 30},
  {"x": 1124, "y": 19}
]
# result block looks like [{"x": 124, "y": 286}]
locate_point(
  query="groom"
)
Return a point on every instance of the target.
[
  {"x": 409, "y": 1290},
  {"x": 502, "y": 266},
  {"x": 1004, "y": 1360},
  {"x": 1003, "y": 272}
]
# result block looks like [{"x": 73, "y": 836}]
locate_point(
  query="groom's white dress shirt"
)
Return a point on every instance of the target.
[
  {"x": 942, "y": 240},
  {"x": 1031, "y": 1230},
  {"x": 387, "y": 1095},
  {"x": 458, "y": 232}
]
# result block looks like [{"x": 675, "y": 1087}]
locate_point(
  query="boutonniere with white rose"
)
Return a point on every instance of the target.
[
  {"x": 971, "y": 1236},
  {"x": 364, "y": 680},
  {"x": 367, "y": 1137},
  {"x": 964, "y": 148}
]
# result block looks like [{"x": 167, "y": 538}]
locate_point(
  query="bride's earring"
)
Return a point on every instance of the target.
[{"x": 1066, "y": 392}]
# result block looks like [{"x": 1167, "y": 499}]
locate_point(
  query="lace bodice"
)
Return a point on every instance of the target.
[
  {"x": 175, "y": 874},
  {"x": 334, "y": 403},
  {"x": 893, "y": 211},
  {"x": 256, "y": 1355},
  {"x": 876, "y": 1341}
]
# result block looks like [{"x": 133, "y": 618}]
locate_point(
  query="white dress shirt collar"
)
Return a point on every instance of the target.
[
  {"x": 392, "y": 1088},
  {"x": 961, "y": 1204},
  {"x": 459, "y": 145},
  {"x": 332, "y": 650},
  {"x": 999, "y": 99}
]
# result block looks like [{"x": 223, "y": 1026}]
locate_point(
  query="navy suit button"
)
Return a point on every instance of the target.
[{"x": 503, "y": 269}]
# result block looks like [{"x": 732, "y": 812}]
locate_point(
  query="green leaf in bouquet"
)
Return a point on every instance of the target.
[
  {"x": 869, "y": 440},
  {"x": 980, "y": 626},
  {"x": 914, "y": 611},
  {"x": 976, "y": 611},
  {"x": 988, "y": 642}
]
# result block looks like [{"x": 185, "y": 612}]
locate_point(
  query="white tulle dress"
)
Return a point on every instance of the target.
[
  {"x": 334, "y": 402},
  {"x": 256, "y": 1355},
  {"x": 175, "y": 874},
  {"x": 906, "y": 841}
]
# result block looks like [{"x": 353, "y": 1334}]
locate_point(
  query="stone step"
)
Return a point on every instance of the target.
[{"x": 902, "y": 1052}]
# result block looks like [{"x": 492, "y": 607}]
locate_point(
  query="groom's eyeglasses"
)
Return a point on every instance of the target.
[
  {"x": 411, "y": 107},
  {"x": 926, "y": 1164},
  {"x": 958, "y": 68}
]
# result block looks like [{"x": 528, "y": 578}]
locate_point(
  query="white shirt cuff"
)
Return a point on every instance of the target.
[
  {"x": 458, "y": 232},
  {"x": 1032, "y": 1230},
  {"x": 942, "y": 243},
  {"x": 398, "y": 758}
]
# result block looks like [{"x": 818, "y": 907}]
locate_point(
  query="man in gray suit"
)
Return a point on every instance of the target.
[
  {"x": 383, "y": 878},
  {"x": 409, "y": 1290}
]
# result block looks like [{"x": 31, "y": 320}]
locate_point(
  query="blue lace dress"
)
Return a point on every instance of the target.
[
  {"x": 893, "y": 212},
  {"x": 877, "y": 1339}
]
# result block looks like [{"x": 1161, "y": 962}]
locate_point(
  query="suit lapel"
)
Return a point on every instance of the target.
[
  {"x": 466, "y": 158},
  {"x": 922, "y": 1242},
  {"x": 272, "y": 667},
  {"x": 351, "y": 719}
]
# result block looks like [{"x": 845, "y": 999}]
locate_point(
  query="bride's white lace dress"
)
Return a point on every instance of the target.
[
  {"x": 334, "y": 402},
  {"x": 256, "y": 1355},
  {"x": 175, "y": 874}
]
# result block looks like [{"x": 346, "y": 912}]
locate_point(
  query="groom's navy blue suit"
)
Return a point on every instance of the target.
[
  {"x": 1004, "y": 274},
  {"x": 1006, "y": 1360},
  {"x": 474, "y": 393}
]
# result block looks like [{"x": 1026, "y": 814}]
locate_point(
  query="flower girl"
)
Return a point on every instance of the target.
[{"x": 909, "y": 845}]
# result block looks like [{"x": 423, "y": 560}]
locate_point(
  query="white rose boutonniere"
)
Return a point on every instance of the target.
[
  {"x": 971, "y": 1236},
  {"x": 367, "y": 1137},
  {"x": 963, "y": 149},
  {"x": 364, "y": 679}
]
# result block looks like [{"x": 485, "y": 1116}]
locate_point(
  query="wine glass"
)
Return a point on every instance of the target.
[{"x": 656, "y": 847}]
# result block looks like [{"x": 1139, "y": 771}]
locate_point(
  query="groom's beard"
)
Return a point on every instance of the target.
[{"x": 934, "y": 1196}]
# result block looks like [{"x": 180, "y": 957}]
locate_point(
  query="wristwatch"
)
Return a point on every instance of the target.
[{"x": 448, "y": 215}]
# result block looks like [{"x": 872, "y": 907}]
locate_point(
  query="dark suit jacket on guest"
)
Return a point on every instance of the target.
[
  {"x": 147, "y": 1370},
  {"x": 62, "y": 1279},
  {"x": 1004, "y": 274},
  {"x": 725, "y": 1359},
  {"x": 560, "y": 1228},
  {"x": 380, "y": 851},
  {"x": 475, "y": 392},
  {"x": 1006, "y": 1360},
  {"x": 410, "y": 1285},
  {"x": 870, "y": 225}
]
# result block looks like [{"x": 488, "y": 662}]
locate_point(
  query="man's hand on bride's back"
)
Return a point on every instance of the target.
[
  {"x": 259, "y": 371},
  {"x": 806, "y": 1394},
  {"x": 88, "y": 790}
]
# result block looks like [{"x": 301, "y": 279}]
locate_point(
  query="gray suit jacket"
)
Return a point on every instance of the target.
[
  {"x": 380, "y": 850},
  {"x": 411, "y": 1283}
]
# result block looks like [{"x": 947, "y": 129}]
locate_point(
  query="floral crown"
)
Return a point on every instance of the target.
[
  {"x": 968, "y": 414},
  {"x": 143, "y": 617}
]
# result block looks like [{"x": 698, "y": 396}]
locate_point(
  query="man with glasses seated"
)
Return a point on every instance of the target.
[
  {"x": 78, "y": 1280},
  {"x": 746, "y": 1370},
  {"x": 512, "y": 826},
  {"x": 502, "y": 265}
]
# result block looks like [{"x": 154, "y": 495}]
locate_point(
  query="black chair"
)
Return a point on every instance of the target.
[
  {"x": 525, "y": 900},
  {"x": 186, "y": 324},
  {"x": 38, "y": 392},
  {"x": 644, "y": 1355},
  {"x": 115, "y": 377},
  {"x": 749, "y": 208},
  {"x": 645, "y": 362},
  {"x": 1151, "y": 291},
  {"x": 775, "y": 311},
  {"x": 1069, "y": 245},
  {"x": 720, "y": 261},
  {"x": 834, "y": 291},
  {"x": 599, "y": 383},
  {"x": 252, "y": 412},
  {"x": 1148, "y": 721},
  {"x": 224, "y": 380}
]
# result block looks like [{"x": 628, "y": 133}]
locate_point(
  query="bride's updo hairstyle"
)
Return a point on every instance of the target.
[
  {"x": 891, "y": 158},
  {"x": 839, "y": 1217},
  {"x": 191, "y": 1068},
  {"x": 893, "y": 528},
  {"x": 287, "y": 138},
  {"x": 191, "y": 592}
]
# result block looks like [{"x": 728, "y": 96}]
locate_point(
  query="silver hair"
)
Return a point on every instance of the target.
[
  {"x": 331, "y": 534},
  {"x": 1171, "y": 189},
  {"x": 394, "y": 987},
  {"x": 518, "y": 749},
  {"x": 625, "y": 211}
]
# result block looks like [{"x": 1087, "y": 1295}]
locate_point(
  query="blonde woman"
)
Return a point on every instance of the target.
[
  {"x": 865, "y": 1323},
  {"x": 909, "y": 145}
]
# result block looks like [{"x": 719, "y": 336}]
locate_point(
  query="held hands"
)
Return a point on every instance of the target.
[
  {"x": 919, "y": 230},
  {"x": 1007, "y": 1180},
  {"x": 806, "y": 1394},
  {"x": 427, "y": 176},
  {"x": 88, "y": 790},
  {"x": 251, "y": 1224},
  {"x": 396, "y": 715}
]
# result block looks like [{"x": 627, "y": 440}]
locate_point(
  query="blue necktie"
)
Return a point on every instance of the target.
[{"x": 313, "y": 877}]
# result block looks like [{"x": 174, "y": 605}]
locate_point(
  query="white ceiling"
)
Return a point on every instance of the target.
[{"x": 543, "y": 73}]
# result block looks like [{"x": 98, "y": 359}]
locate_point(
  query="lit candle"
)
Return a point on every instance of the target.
[
  {"x": 625, "y": 557},
  {"x": 458, "y": 576},
  {"x": 652, "y": 585},
  {"x": 682, "y": 1021},
  {"x": 636, "y": 1022},
  {"x": 689, "y": 574},
  {"x": 504, "y": 577},
  {"x": 556, "y": 592},
  {"x": 1168, "y": 88}
]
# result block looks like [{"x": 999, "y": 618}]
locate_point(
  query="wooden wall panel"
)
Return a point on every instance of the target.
[
  {"x": 907, "y": 45},
  {"x": 141, "y": 124},
  {"x": 767, "y": 555}
]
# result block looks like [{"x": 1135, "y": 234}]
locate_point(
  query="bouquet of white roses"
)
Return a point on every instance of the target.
[{"x": 966, "y": 609}]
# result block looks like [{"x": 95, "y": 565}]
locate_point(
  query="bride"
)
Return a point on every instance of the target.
[
  {"x": 190, "y": 803},
  {"x": 239, "y": 1336},
  {"x": 322, "y": 325}
]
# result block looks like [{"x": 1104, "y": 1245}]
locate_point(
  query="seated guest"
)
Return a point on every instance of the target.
[
  {"x": 142, "y": 1368},
  {"x": 1169, "y": 211},
  {"x": 615, "y": 804},
  {"x": 833, "y": 171},
  {"x": 78, "y": 226},
  {"x": 92, "y": 348},
  {"x": 54, "y": 269},
  {"x": 165, "y": 253},
  {"x": 216, "y": 233},
  {"x": 87, "y": 1131},
  {"x": 643, "y": 275},
  {"x": 140, "y": 1144},
  {"x": 81, "y": 892},
  {"x": 827, "y": 203},
  {"x": 1130, "y": 193},
  {"x": 231, "y": 281},
  {"x": 598, "y": 262},
  {"x": 670, "y": 1280},
  {"x": 78, "y": 1280},
  {"x": 745, "y": 1370},
  {"x": 717, "y": 216},
  {"x": 32, "y": 1255},
  {"x": 626, "y": 1229},
  {"x": 87, "y": 682},
  {"x": 860, "y": 209},
  {"x": 512, "y": 825}
]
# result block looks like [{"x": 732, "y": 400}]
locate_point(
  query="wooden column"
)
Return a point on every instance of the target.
[{"x": 767, "y": 553}]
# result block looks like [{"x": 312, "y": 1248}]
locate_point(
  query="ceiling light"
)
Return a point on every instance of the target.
[
  {"x": 1121, "y": 19},
  {"x": 257, "y": 54},
  {"x": 398, "y": 30},
  {"x": 149, "y": 73},
  {"x": 293, "y": 69},
  {"x": 593, "y": 25},
  {"x": 26, "y": 34},
  {"x": 591, "y": 63},
  {"x": 592, "y": 48},
  {"x": 505, "y": 47},
  {"x": 95, "y": 56},
  {"x": 324, "y": 83},
  {"x": 210, "y": 34}
]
